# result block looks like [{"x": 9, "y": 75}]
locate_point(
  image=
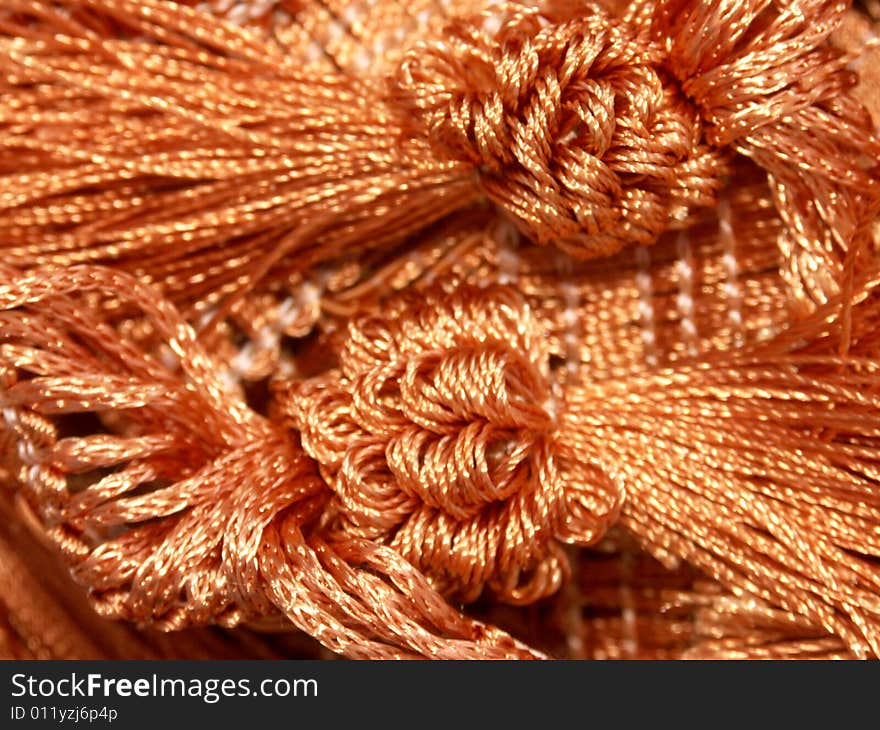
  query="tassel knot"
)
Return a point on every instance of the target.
[
  {"x": 573, "y": 128},
  {"x": 438, "y": 435}
]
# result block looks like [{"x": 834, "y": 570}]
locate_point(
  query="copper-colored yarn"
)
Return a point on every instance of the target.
[
  {"x": 438, "y": 435},
  {"x": 277, "y": 347},
  {"x": 569, "y": 119}
]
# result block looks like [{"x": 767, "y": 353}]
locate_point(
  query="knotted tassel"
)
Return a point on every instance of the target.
[
  {"x": 185, "y": 507},
  {"x": 440, "y": 438},
  {"x": 758, "y": 467},
  {"x": 445, "y": 432},
  {"x": 149, "y": 136}
]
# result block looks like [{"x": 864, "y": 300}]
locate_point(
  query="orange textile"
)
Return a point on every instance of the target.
[{"x": 451, "y": 329}]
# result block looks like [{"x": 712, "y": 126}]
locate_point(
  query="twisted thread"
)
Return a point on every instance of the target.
[
  {"x": 446, "y": 453},
  {"x": 575, "y": 130},
  {"x": 195, "y": 509},
  {"x": 438, "y": 436},
  {"x": 210, "y": 161}
]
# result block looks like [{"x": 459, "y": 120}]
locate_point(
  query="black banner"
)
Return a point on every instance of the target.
[{"x": 551, "y": 695}]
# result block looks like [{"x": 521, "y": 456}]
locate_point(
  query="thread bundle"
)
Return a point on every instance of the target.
[{"x": 188, "y": 210}]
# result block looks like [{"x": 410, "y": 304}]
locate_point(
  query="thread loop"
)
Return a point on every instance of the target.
[
  {"x": 575, "y": 130},
  {"x": 442, "y": 441}
]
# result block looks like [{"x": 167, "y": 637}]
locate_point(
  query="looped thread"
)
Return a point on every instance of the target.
[
  {"x": 575, "y": 130},
  {"x": 438, "y": 435},
  {"x": 186, "y": 507},
  {"x": 769, "y": 86},
  {"x": 195, "y": 156}
]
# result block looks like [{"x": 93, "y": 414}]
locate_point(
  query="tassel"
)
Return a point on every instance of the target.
[
  {"x": 196, "y": 509},
  {"x": 158, "y": 166},
  {"x": 760, "y": 468},
  {"x": 203, "y": 160},
  {"x": 756, "y": 466}
]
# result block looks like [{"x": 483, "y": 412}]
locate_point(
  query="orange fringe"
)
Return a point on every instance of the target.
[{"x": 189, "y": 211}]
